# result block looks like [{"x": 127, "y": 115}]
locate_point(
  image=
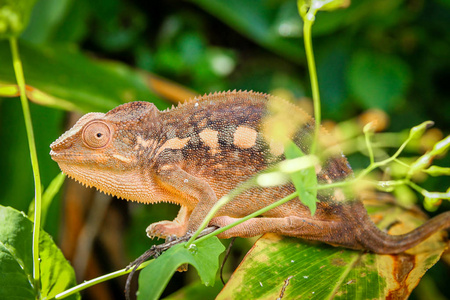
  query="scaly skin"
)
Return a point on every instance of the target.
[{"x": 196, "y": 153}]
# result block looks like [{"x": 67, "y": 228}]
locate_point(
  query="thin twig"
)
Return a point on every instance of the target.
[
  {"x": 155, "y": 251},
  {"x": 227, "y": 253}
]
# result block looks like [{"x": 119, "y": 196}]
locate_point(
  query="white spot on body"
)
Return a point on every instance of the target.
[
  {"x": 339, "y": 195},
  {"x": 276, "y": 148},
  {"x": 166, "y": 168},
  {"x": 122, "y": 158},
  {"x": 210, "y": 138},
  {"x": 142, "y": 142},
  {"x": 245, "y": 137},
  {"x": 318, "y": 168},
  {"x": 174, "y": 143},
  {"x": 328, "y": 179}
]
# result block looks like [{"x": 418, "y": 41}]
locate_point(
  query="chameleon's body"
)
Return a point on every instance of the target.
[{"x": 196, "y": 153}]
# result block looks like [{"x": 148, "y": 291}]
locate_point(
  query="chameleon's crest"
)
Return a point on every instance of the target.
[{"x": 133, "y": 111}]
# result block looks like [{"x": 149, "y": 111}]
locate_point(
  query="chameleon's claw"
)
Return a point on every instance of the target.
[
  {"x": 183, "y": 268},
  {"x": 171, "y": 238}
]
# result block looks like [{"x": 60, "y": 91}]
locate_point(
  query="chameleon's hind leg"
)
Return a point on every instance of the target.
[
  {"x": 290, "y": 226},
  {"x": 330, "y": 232}
]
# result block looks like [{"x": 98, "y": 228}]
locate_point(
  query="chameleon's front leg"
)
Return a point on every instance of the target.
[
  {"x": 194, "y": 195},
  {"x": 167, "y": 229}
]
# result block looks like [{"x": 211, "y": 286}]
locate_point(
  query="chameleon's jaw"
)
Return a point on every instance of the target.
[{"x": 126, "y": 185}]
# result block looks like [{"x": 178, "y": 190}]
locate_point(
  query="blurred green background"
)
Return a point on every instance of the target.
[{"x": 388, "y": 54}]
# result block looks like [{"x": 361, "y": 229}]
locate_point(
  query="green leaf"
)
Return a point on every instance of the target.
[
  {"x": 47, "y": 198},
  {"x": 299, "y": 270},
  {"x": 303, "y": 179},
  {"x": 196, "y": 291},
  {"x": 48, "y": 18},
  {"x": 64, "y": 78},
  {"x": 378, "y": 80},
  {"x": 14, "y": 16},
  {"x": 16, "y": 260},
  {"x": 258, "y": 22},
  {"x": 204, "y": 256}
]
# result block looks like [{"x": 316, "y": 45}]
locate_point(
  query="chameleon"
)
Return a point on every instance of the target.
[{"x": 197, "y": 152}]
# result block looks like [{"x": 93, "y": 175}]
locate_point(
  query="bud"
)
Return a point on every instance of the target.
[
  {"x": 419, "y": 130},
  {"x": 437, "y": 171}
]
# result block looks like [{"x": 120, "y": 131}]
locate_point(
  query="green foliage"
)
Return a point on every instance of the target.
[
  {"x": 67, "y": 79},
  {"x": 204, "y": 256},
  {"x": 47, "y": 197},
  {"x": 303, "y": 178},
  {"x": 16, "y": 261},
  {"x": 387, "y": 54},
  {"x": 306, "y": 271},
  {"x": 277, "y": 266},
  {"x": 269, "y": 25},
  {"x": 14, "y": 17},
  {"x": 369, "y": 71}
]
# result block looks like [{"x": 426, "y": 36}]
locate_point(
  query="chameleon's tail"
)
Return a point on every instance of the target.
[{"x": 380, "y": 242}]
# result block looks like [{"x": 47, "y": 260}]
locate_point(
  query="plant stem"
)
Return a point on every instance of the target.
[
  {"x": 98, "y": 280},
  {"x": 308, "y": 21},
  {"x": 222, "y": 201},
  {"x": 34, "y": 161},
  {"x": 369, "y": 147}
]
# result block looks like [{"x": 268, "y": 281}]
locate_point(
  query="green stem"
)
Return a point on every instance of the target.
[
  {"x": 416, "y": 187},
  {"x": 98, "y": 280},
  {"x": 369, "y": 147},
  {"x": 401, "y": 163},
  {"x": 222, "y": 201},
  {"x": 366, "y": 171},
  {"x": 34, "y": 161},
  {"x": 308, "y": 21}
]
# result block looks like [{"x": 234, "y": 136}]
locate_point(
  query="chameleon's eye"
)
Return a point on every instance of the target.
[{"x": 96, "y": 134}]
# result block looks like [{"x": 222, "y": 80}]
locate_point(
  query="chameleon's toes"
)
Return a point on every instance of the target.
[
  {"x": 183, "y": 268},
  {"x": 165, "y": 229},
  {"x": 171, "y": 238}
]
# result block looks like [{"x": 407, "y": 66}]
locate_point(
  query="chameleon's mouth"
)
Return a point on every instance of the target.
[
  {"x": 55, "y": 155},
  {"x": 58, "y": 156},
  {"x": 71, "y": 158}
]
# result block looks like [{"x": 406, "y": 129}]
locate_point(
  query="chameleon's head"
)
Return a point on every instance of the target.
[{"x": 100, "y": 149}]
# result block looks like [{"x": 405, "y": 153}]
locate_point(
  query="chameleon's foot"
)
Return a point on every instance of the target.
[
  {"x": 183, "y": 268},
  {"x": 166, "y": 229},
  {"x": 171, "y": 238}
]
